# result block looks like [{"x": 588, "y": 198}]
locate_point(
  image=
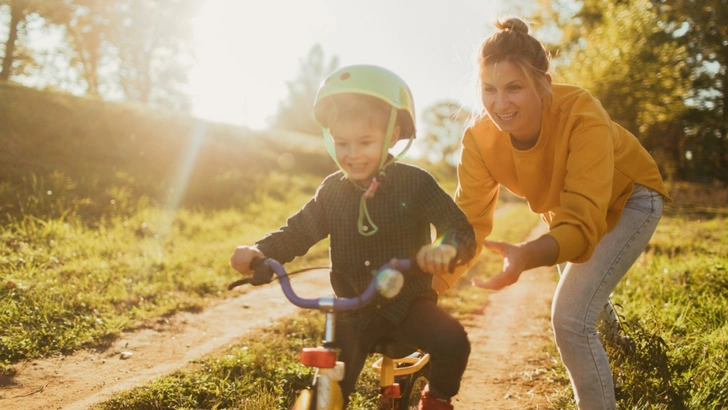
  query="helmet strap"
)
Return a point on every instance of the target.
[{"x": 388, "y": 140}]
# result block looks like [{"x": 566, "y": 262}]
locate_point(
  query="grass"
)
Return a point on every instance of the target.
[
  {"x": 675, "y": 304},
  {"x": 63, "y": 154},
  {"x": 262, "y": 372},
  {"x": 66, "y": 284}
]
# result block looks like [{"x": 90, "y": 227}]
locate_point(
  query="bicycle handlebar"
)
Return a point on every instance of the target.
[{"x": 387, "y": 281}]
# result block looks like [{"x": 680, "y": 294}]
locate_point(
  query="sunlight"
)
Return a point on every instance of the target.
[
  {"x": 182, "y": 176},
  {"x": 245, "y": 53}
]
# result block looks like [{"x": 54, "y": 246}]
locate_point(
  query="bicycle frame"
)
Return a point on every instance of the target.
[
  {"x": 389, "y": 368},
  {"x": 326, "y": 393}
]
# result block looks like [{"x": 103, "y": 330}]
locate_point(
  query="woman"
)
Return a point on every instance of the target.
[{"x": 591, "y": 180}]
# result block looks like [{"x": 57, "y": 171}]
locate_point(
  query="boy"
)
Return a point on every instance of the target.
[{"x": 375, "y": 209}]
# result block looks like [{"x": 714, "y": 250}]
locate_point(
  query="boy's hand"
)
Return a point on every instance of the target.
[
  {"x": 436, "y": 258},
  {"x": 242, "y": 256}
]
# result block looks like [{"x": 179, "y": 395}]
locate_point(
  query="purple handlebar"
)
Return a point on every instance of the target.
[{"x": 339, "y": 304}]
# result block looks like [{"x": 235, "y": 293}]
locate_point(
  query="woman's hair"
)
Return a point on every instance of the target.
[{"x": 513, "y": 43}]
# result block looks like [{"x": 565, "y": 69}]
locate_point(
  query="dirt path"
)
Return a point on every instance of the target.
[
  {"x": 78, "y": 381},
  {"x": 504, "y": 370},
  {"x": 502, "y": 373}
]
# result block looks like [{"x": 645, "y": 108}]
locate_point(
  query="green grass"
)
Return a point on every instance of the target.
[
  {"x": 66, "y": 284},
  {"x": 675, "y": 302},
  {"x": 262, "y": 372}
]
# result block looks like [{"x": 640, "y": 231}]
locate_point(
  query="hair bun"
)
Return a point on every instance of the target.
[{"x": 513, "y": 24}]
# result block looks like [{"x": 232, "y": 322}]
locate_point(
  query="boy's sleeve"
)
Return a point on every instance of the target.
[
  {"x": 302, "y": 230},
  {"x": 452, "y": 226}
]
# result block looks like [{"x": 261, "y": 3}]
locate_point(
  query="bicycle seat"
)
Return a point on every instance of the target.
[{"x": 392, "y": 348}]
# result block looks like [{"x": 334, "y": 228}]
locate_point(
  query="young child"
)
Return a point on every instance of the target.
[{"x": 375, "y": 209}]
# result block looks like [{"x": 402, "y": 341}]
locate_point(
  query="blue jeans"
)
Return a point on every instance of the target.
[{"x": 583, "y": 292}]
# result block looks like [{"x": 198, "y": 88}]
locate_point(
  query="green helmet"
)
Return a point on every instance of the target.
[{"x": 370, "y": 80}]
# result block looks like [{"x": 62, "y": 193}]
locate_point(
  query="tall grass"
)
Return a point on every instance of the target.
[{"x": 65, "y": 284}]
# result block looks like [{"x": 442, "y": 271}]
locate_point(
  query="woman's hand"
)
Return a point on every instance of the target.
[
  {"x": 513, "y": 266},
  {"x": 519, "y": 258},
  {"x": 242, "y": 256},
  {"x": 436, "y": 258}
]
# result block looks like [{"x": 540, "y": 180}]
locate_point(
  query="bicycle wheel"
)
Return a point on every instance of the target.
[{"x": 412, "y": 386}]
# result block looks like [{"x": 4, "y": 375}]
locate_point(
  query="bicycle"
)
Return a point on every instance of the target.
[{"x": 403, "y": 373}]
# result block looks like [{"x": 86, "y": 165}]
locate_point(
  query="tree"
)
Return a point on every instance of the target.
[
  {"x": 641, "y": 82},
  {"x": 657, "y": 66},
  {"x": 151, "y": 40},
  {"x": 20, "y": 11},
  {"x": 296, "y": 112},
  {"x": 444, "y": 123},
  {"x": 137, "y": 50},
  {"x": 87, "y": 27},
  {"x": 700, "y": 28}
]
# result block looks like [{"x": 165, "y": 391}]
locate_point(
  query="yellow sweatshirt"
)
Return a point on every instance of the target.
[{"x": 578, "y": 176}]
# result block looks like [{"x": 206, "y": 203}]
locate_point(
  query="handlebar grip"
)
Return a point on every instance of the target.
[
  {"x": 255, "y": 263},
  {"x": 262, "y": 274}
]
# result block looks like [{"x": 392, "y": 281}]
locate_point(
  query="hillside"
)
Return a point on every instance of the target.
[{"x": 62, "y": 152}]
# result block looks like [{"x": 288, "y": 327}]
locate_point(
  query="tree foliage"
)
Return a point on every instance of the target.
[
  {"x": 444, "y": 123},
  {"x": 658, "y": 67},
  {"x": 295, "y": 113},
  {"x": 700, "y": 27},
  {"x": 122, "y": 49},
  {"x": 17, "y": 56},
  {"x": 149, "y": 49}
]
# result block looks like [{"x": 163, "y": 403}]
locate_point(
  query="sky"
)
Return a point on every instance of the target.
[{"x": 247, "y": 50}]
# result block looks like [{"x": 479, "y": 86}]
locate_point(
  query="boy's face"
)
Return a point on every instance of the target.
[{"x": 359, "y": 147}]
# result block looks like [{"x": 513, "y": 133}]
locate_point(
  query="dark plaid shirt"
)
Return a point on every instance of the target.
[{"x": 403, "y": 207}]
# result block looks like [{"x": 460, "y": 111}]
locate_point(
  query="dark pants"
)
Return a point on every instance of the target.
[{"x": 426, "y": 327}]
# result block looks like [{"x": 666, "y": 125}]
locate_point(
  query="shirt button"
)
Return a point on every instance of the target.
[{"x": 367, "y": 263}]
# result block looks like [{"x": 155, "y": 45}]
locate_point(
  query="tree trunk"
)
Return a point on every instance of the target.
[{"x": 16, "y": 17}]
